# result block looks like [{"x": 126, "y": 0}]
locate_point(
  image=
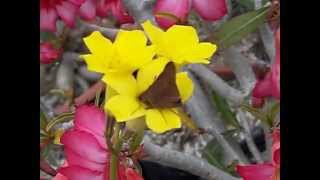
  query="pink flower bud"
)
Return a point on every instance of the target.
[
  {"x": 87, "y": 10},
  {"x": 270, "y": 85},
  {"x": 116, "y": 8},
  {"x": 210, "y": 10},
  {"x": 170, "y": 12},
  {"x": 48, "y": 54}
]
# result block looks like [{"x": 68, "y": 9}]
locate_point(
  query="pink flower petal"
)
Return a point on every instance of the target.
[
  {"x": 132, "y": 175},
  {"x": 93, "y": 120},
  {"x": 87, "y": 10},
  {"x": 103, "y": 7},
  {"x": 256, "y": 172},
  {"x": 276, "y": 154},
  {"x": 90, "y": 118},
  {"x": 60, "y": 177},
  {"x": 48, "y": 18},
  {"x": 85, "y": 145},
  {"x": 276, "y": 148},
  {"x": 210, "y": 10},
  {"x": 74, "y": 159},
  {"x": 178, "y": 8},
  {"x": 77, "y": 2},
  {"x": 79, "y": 173},
  {"x": 67, "y": 11}
]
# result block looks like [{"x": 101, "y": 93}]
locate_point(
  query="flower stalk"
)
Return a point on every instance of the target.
[{"x": 114, "y": 156}]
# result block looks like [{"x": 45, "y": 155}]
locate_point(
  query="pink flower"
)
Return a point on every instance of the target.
[
  {"x": 48, "y": 53},
  {"x": 210, "y": 10},
  {"x": 51, "y": 10},
  {"x": 85, "y": 148},
  {"x": 178, "y": 8},
  {"x": 117, "y": 10},
  {"x": 269, "y": 86},
  {"x": 266, "y": 171}
]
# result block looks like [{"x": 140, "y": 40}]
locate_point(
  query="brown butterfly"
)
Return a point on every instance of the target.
[{"x": 163, "y": 93}]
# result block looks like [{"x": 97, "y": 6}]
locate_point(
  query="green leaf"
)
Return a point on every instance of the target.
[
  {"x": 97, "y": 100},
  {"x": 273, "y": 109},
  {"x": 43, "y": 120},
  {"x": 46, "y": 150},
  {"x": 239, "y": 27},
  {"x": 214, "y": 154},
  {"x": 231, "y": 168},
  {"x": 136, "y": 140},
  {"x": 225, "y": 110},
  {"x": 46, "y": 36}
]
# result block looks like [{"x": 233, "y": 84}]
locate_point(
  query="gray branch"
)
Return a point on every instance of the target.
[
  {"x": 241, "y": 68},
  {"x": 231, "y": 148},
  {"x": 248, "y": 137},
  {"x": 205, "y": 116},
  {"x": 201, "y": 109},
  {"x": 185, "y": 162},
  {"x": 140, "y": 10},
  {"x": 109, "y": 32},
  {"x": 217, "y": 84},
  {"x": 65, "y": 74},
  {"x": 266, "y": 35}
]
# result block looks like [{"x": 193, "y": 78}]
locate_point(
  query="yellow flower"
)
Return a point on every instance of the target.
[
  {"x": 179, "y": 44},
  {"x": 127, "y": 107},
  {"x": 118, "y": 60},
  {"x": 136, "y": 96}
]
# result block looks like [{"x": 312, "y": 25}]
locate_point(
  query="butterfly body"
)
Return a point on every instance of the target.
[{"x": 163, "y": 93}]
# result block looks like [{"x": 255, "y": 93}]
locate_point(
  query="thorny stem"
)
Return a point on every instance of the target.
[
  {"x": 90, "y": 93},
  {"x": 114, "y": 157},
  {"x": 108, "y": 136},
  {"x": 45, "y": 167}
]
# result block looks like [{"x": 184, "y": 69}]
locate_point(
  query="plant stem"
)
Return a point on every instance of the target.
[{"x": 114, "y": 157}]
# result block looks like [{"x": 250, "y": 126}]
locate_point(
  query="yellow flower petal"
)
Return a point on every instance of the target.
[
  {"x": 185, "y": 86},
  {"x": 94, "y": 63},
  {"x": 160, "y": 121},
  {"x": 98, "y": 44},
  {"x": 200, "y": 53},
  {"x": 122, "y": 83},
  {"x": 179, "y": 44},
  {"x": 149, "y": 73},
  {"x": 132, "y": 48},
  {"x": 124, "y": 108},
  {"x": 182, "y": 35},
  {"x": 127, "y": 38},
  {"x": 154, "y": 33},
  {"x": 172, "y": 119}
]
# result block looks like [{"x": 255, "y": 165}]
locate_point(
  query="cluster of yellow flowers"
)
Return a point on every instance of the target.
[{"x": 130, "y": 67}]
